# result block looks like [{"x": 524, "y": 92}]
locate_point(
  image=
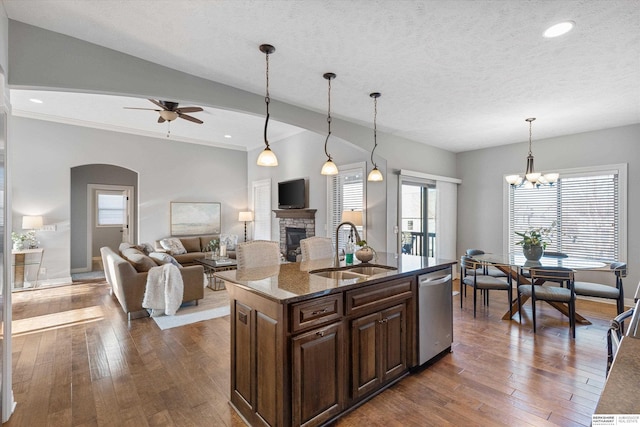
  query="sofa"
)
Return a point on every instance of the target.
[
  {"x": 126, "y": 273},
  {"x": 187, "y": 249}
]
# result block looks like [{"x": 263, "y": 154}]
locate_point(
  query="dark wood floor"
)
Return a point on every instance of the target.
[{"x": 76, "y": 362}]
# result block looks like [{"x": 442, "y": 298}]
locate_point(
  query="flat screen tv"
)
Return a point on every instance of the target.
[{"x": 292, "y": 194}]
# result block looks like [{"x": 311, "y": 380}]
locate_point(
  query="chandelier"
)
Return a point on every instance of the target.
[{"x": 531, "y": 177}]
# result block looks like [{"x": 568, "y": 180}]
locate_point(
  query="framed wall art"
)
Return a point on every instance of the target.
[{"x": 190, "y": 219}]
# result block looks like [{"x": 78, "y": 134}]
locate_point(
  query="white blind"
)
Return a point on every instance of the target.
[
  {"x": 585, "y": 208},
  {"x": 346, "y": 192},
  {"x": 111, "y": 208},
  {"x": 262, "y": 210}
]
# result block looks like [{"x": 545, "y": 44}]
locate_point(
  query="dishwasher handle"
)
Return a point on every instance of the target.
[{"x": 428, "y": 281}]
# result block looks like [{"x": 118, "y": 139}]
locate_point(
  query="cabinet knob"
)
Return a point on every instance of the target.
[
  {"x": 314, "y": 313},
  {"x": 320, "y": 333}
]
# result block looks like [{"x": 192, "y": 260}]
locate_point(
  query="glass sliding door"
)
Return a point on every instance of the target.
[{"x": 418, "y": 218}]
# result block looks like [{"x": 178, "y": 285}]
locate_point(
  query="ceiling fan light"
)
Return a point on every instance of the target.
[
  {"x": 168, "y": 115},
  {"x": 375, "y": 175},
  {"x": 329, "y": 168},
  {"x": 267, "y": 158}
]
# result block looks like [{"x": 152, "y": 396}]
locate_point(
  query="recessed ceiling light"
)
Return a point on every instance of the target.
[
  {"x": 36, "y": 101},
  {"x": 227, "y": 136},
  {"x": 559, "y": 29}
]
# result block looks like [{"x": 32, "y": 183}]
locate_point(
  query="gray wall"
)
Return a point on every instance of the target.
[
  {"x": 81, "y": 177},
  {"x": 44, "y": 153},
  {"x": 481, "y": 213}
]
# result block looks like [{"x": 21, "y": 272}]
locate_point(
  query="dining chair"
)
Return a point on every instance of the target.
[
  {"x": 550, "y": 293},
  {"x": 601, "y": 290},
  {"x": 257, "y": 253},
  {"x": 471, "y": 275},
  {"x": 316, "y": 247},
  {"x": 486, "y": 270}
]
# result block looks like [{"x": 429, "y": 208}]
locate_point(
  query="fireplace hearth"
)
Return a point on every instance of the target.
[
  {"x": 300, "y": 219},
  {"x": 293, "y": 235}
]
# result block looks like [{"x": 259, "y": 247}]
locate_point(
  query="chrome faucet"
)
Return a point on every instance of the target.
[{"x": 353, "y": 229}]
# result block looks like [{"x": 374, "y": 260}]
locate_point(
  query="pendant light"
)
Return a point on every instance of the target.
[
  {"x": 329, "y": 168},
  {"x": 267, "y": 157},
  {"x": 375, "y": 175},
  {"x": 531, "y": 177}
]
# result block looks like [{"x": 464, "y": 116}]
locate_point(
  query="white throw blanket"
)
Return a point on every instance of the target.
[{"x": 164, "y": 291}]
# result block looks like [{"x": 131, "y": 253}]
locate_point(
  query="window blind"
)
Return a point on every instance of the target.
[
  {"x": 346, "y": 192},
  {"x": 584, "y": 209},
  {"x": 111, "y": 209}
]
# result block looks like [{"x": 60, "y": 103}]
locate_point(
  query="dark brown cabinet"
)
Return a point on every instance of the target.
[
  {"x": 317, "y": 375},
  {"x": 379, "y": 349}
]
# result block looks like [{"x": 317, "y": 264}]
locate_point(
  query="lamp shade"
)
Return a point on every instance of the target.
[
  {"x": 30, "y": 222},
  {"x": 267, "y": 158},
  {"x": 245, "y": 216},
  {"x": 354, "y": 217}
]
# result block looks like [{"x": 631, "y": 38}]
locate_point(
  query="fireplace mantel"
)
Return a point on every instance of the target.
[{"x": 295, "y": 213}]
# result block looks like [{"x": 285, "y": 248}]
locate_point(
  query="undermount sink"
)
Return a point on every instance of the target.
[
  {"x": 339, "y": 274},
  {"x": 353, "y": 272},
  {"x": 370, "y": 270}
]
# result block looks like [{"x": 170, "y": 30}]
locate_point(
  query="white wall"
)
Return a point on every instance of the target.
[
  {"x": 481, "y": 216},
  {"x": 43, "y": 154}
]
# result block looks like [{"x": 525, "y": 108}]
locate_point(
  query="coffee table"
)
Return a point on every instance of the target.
[{"x": 212, "y": 266}]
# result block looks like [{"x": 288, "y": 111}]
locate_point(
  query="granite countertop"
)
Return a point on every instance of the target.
[
  {"x": 292, "y": 281},
  {"x": 620, "y": 394}
]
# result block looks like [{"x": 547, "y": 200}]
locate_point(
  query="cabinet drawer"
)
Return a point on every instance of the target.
[
  {"x": 379, "y": 296},
  {"x": 316, "y": 311}
]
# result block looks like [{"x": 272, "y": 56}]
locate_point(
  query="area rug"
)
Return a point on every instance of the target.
[{"x": 214, "y": 304}]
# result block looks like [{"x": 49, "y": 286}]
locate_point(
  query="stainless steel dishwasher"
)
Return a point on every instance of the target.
[{"x": 435, "y": 314}]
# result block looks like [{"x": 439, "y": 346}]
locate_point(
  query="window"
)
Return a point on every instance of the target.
[
  {"x": 111, "y": 208},
  {"x": 346, "y": 191},
  {"x": 588, "y": 208},
  {"x": 262, "y": 210}
]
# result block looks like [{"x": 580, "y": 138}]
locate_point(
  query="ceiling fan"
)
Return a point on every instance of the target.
[{"x": 170, "y": 111}]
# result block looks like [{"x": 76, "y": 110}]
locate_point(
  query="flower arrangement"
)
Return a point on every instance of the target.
[
  {"x": 27, "y": 239},
  {"x": 535, "y": 237}
]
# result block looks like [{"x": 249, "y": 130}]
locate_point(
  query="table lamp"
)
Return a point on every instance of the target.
[{"x": 245, "y": 217}]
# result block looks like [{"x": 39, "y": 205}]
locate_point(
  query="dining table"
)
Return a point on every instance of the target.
[{"x": 515, "y": 263}]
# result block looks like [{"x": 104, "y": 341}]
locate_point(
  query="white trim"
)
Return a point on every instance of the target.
[{"x": 414, "y": 174}]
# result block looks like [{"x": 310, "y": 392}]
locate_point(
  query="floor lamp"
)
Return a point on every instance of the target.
[{"x": 245, "y": 217}]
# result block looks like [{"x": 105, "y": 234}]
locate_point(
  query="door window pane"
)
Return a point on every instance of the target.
[{"x": 111, "y": 209}]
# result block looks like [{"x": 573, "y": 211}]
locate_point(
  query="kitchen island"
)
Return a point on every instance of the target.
[{"x": 310, "y": 341}]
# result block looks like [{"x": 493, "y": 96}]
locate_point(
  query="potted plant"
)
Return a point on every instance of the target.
[
  {"x": 366, "y": 252},
  {"x": 534, "y": 242},
  {"x": 20, "y": 240}
]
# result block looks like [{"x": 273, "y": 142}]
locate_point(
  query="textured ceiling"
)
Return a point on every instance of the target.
[{"x": 459, "y": 75}]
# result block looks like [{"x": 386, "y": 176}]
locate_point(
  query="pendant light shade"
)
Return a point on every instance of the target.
[
  {"x": 375, "y": 175},
  {"x": 267, "y": 157},
  {"x": 329, "y": 168},
  {"x": 531, "y": 177}
]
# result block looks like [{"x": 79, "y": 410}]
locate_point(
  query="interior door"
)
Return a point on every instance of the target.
[{"x": 418, "y": 218}]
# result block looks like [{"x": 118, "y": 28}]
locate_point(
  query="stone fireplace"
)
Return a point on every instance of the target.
[{"x": 297, "y": 222}]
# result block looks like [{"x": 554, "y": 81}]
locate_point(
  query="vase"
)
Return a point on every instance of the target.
[
  {"x": 365, "y": 254},
  {"x": 18, "y": 246},
  {"x": 532, "y": 253}
]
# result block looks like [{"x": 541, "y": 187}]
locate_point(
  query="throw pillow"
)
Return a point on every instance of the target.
[
  {"x": 162, "y": 258},
  {"x": 139, "y": 260},
  {"x": 145, "y": 247},
  {"x": 231, "y": 240},
  {"x": 173, "y": 245}
]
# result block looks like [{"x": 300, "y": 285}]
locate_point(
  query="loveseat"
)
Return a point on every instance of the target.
[
  {"x": 128, "y": 277},
  {"x": 186, "y": 250}
]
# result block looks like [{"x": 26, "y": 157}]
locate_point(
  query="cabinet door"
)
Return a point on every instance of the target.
[
  {"x": 365, "y": 353},
  {"x": 394, "y": 341},
  {"x": 318, "y": 375}
]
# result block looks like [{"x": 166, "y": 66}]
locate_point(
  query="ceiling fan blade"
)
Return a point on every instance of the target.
[
  {"x": 161, "y": 119},
  {"x": 158, "y": 104},
  {"x": 188, "y": 109},
  {"x": 191, "y": 119},
  {"x": 136, "y": 108}
]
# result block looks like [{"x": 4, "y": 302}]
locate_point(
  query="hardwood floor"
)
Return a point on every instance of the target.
[{"x": 76, "y": 362}]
